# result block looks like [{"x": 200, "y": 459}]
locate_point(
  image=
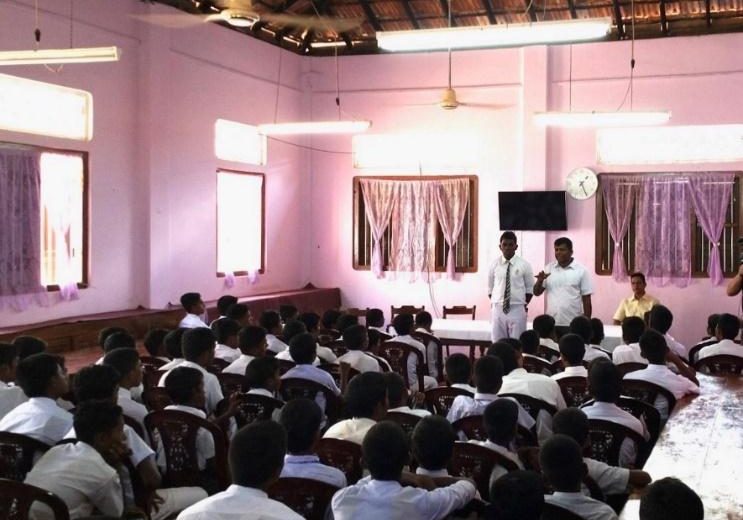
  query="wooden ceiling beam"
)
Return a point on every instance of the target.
[
  {"x": 708, "y": 12},
  {"x": 489, "y": 10},
  {"x": 445, "y": 7},
  {"x": 411, "y": 15},
  {"x": 370, "y": 16},
  {"x": 618, "y": 19},
  {"x": 663, "y": 18},
  {"x": 571, "y": 8}
]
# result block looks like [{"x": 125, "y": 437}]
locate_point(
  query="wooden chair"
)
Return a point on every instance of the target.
[
  {"x": 532, "y": 405},
  {"x": 156, "y": 398},
  {"x": 547, "y": 353},
  {"x": 17, "y": 455},
  {"x": 553, "y": 512},
  {"x": 477, "y": 462},
  {"x": 151, "y": 376},
  {"x": 694, "y": 351},
  {"x": 176, "y": 431},
  {"x": 344, "y": 455},
  {"x": 606, "y": 438},
  {"x": 472, "y": 427},
  {"x": 537, "y": 365},
  {"x": 338, "y": 346},
  {"x": 396, "y": 353},
  {"x": 308, "y": 498},
  {"x": 151, "y": 361},
  {"x": 16, "y": 499},
  {"x": 720, "y": 365},
  {"x": 327, "y": 335},
  {"x": 407, "y": 421},
  {"x": 648, "y": 392},
  {"x": 405, "y": 309},
  {"x": 439, "y": 400},
  {"x": 333, "y": 370},
  {"x": 646, "y": 412},
  {"x": 294, "y": 388},
  {"x": 359, "y": 313},
  {"x": 285, "y": 365},
  {"x": 459, "y": 310},
  {"x": 231, "y": 383},
  {"x": 427, "y": 339},
  {"x": 251, "y": 408},
  {"x": 626, "y": 368},
  {"x": 574, "y": 390}
]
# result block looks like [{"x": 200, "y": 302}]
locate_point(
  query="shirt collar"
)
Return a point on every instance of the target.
[
  {"x": 485, "y": 397},
  {"x": 44, "y": 402},
  {"x": 435, "y": 473},
  {"x": 191, "y": 364},
  {"x": 576, "y": 370},
  {"x": 301, "y": 459},
  {"x": 517, "y": 372},
  {"x": 187, "y": 409},
  {"x": 565, "y": 494},
  {"x": 234, "y": 489},
  {"x": 657, "y": 368},
  {"x": 261, "y": 391}
]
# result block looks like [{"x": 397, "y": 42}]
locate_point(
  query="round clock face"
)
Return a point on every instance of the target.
[{"x": 581, "y": 183}]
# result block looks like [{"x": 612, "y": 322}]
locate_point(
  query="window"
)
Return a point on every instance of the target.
[
  {"x": 239, "y": 143},
  {"x": 700, "y": 243},
  {"x": 466, "y": 248},
  {"x": 240, "y": 222}
]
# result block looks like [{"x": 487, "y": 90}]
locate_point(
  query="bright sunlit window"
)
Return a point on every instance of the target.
[
  {"x": 238, "y": 142},
  {"x": 240, "y": 216}
]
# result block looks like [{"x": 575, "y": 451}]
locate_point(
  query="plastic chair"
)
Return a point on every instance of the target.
[
  {"x": 405, "y": 309},
  {"x": 532, "y": 405},
  {"x": 477, "y": 462},
  {"x": 294, "y": 388},
  {"x": 285, "y": 365},
  {"x": 407, "y": 421},
  {"x": 574, "y": 390},
  {"x": 720, "y": 365},
  {"x": 537, "y": 365},
  {"x": 427, "y": 339},
  {"x": 16, "y": 499},
  {"x": 439, "y": 400},
  {"x": 606, "y": 438},
  {"x": 156, "y": 398},
  {"x": 17, "y": 454},
  {"x": 306, "y": 497},
  {"x": 648, "y": 392},
  {"x": 626, "y": 368},
  {"x": 251, "y": 408},
  {"x": 231, "y": 383},
  {"x": 396, "y": 353},
  {"x": 344, "y": 455},
  {"x": 338, "y": 346}
]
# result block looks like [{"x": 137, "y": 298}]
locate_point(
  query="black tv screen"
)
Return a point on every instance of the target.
[{"x": 532, "y": 210}]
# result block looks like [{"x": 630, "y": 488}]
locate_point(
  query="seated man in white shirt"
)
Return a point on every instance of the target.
[
  {"x": 43, "y": 379},
  {"x": 225, "y": 331},
  {"x": 311, "y": 322},
  {"x": 271, "y": 322},
  {"x": 661, "y": 319},
  {"x": 366, "y": 403},
  {"x": 356, "y": 340},
  {"x": 292, "y": 329},
  {"x": 172, "y": 342},
  {"x": 29, "y": 345},
  {"x": 562, "y": 463},
  {"x": 154, "y": 343},
  {"x": 432, "y": 445},
  {"x": 398, "y": 396},
  {"x": 709, "y": 339},
  {"x": 670, "y": 499},
  {"x": 403, "y": 324},
  {"x": 10, "y": 395},
  {"x": 223, "y": 304},
  {"x": 654, "y": 348},
  {"x": 240, "y": 313},
  {"x": 126, "y": 362},
  {"x": 256, "y": 457},
  {"x": 198, "y": 352},
  {"x": 301, "y": 418},
  {"x": 252, "y": 343},
  {"x": 612, "y": 480},
  {"x": 728, "y": 327},
  {"x": 375, "y": 342},
  {"x": 572, "y": 351},
  {"x": 195, "y": 311},
  {"x": 375, "y": 321},
  {"x": 500, "y": 420},
  {"x": 518, "y": 495},
  {"x": 632, "y": 328},
  {"x": 382, "y": 495},
  {"x": 303, "y": 351},
  {"x": 581, "y": 326},
  {"x": 459, "y": 372},
  {"x": 544, "y": 325},
  {"x": 423, "y": 323}
]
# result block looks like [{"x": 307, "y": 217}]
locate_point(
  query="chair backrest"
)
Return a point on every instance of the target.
[
  {"x": 231, "y": 383},
  {"x": 338, "y": 346},
  {"x": 646, "y": 412},
  {"x": 295, "y": 388},
  {"x": 472, "y": 427},
  {"x": 344, "y": 455},
  {"x": 694, "y": 352},
  {"x": 355, "y": 311},
  {"x": 347, "y": 373},
  {"x": 553, "y": 512},
  {"x": 477, "y": 462},
  {"x": 532, "y": 405},
  {"x": 151, "y": 376},
  {"x": 648, "y": 392},
  {"x": 152, "y": 361},
  {"x": 16, "y": 499},
  {"x": 285, "y": 365},
  {"x": 251, "y": 408},
  {"x": 427, "y": 339},
  {"x": 626, "y": 368},
  {"x": 537, "y": 365},
  {"x": 407, "y": 421},
  {"x": 459, "y": 310},
  {"x": 156, "y": 398},
  {"x": 606, "y": 438},
  {"x": 574, "y": 390},
  {"x": 721, "y": 364},
  {"x": 405, "y": 309},
  {"x": 439, "y": 400},
  {"x": 308, "y": 498},
  {"x": 547, "y": 353},
  {"x": 17, "y": 455},
  {"x": 327, "y": 335},
  {"x": 396, "y": 353},
  {"x": 176, "y": 432},
  {"x": 333, "y": 370}
]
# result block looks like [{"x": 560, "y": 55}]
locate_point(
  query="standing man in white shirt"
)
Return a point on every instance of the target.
[
  {"x": 568, "y": 286},
  {"x": 510, "y": 288},
  {"x": 195, "y": 311}
]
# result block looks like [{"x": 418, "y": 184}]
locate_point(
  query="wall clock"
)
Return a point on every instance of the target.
[{"x": 581, "y": 183}]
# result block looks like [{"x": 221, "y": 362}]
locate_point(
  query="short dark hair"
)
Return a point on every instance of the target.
[
  {"x": 458, "y": 369},
  {"x": 638, "y": 274},
  {"x": 597, "y": 327},
  {"x": 257, "y": 454},
  {"x": 544, "y": 324},
  {"x": 197, "y": 341},
  {"x": 403, "y": 323},
  {"x": 225, "y": 328},
  {"x": 237, "y": 311},
  {"x": 564, "y": 241},
  {"x": 293, "y": 328},
  {"x": 261, "y": 370},
  {"x": 355, "y": 337},
  {"x": 106, "y": 332},
  {"x": 301, "y": 418},
  {"x": 224, "y": 303},
  {"x": 499, "y": 419},
  {"x": 153, "y": 339},
  {"x": 123, "y": 360},
  {"x": 385, "y": 450},
  {"x": 529, "y": 342},
  {"x": 506, "y": 354},
  {"x": 119, "y": 340},
  {"x": 581, "y": 326},
  {"x": 249, "y": 338},
  {"x": 515, "y": 343},
  {"x": 329, "y": 317},
  {"x": 423, "y": 319},
  {"x": 712, "y": 320},
  {"x": 8, "y": 354},
  {"x": 432, "y": 442},
  {"x": 34, "y": 373},
  {"x": 287, "y": 311},
  {"x": 182, "y": 382},
  {"x": 189, "y": 300},
  {"x": 28, "y": 346},
  {"x": 661, "y": 318},
  {"x": 270, "y": 320},
  {"x": 604, "y": 380},
  {"x": 632, "y": 329},
  {"x": 375, "y": 318},
  {"x": 311, "y": 320},
  {"x": 518, "y": 495},
  {"x": 94, "y": 418},
  {"x": 507, "y": 235},
  {"x": 653, "y": 347},
  {"x": 572, "y": 422},
  {"x": 174, "y": 343},
  {"x": 728, "y": 325},
  {"x": 346, "y": 320},
  {"x": 573, "y": 348},
  {"x": 95, "y": 382},
  {"x": 396, "y": 388},
  {"x": 364, "y": 393},
  {"x": 670, "y": 499},
  {"x": 561, "y": 459},
  {"x": 488, "y": 374},
  {"x": 303, "y": 348}
]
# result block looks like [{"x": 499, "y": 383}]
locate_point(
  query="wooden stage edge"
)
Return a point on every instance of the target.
[{"x": 81, "y": 332}]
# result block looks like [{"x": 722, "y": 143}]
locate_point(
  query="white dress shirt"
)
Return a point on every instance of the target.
[
  {"x": 725, "y": 346},
  {"x": 309, "y": 466},
  {"x": 39, "y": 418},
  {"x": 326, "y": 355},
  {"x": 428, "y": 381},
  {"x": 432, "y": 354},
  {"x": 78, "y": 475},
  {"x": 550, "y": 344},
  {"x": 172, "y": 364},
  {"x": 464, "y": 406},
  {"x": 565, "y": 288},
  {"x": 275, "y": 344},
  {"x": 418, "y": 412},
  {"x": 522, "y": 280},
  {"x": 204, "y": 441},
  {"x": 285, "y": 355},
  {"x": 661, "y": 375},
  {"x": 628, "y": 354},
  {"x": 611, "y": 479},
  {"x": 382, "y": 330},
  {"x": 353, "y": 430},
  {"x": 10, "y": 397},
  {"x": 229, "y": 354},
  {"x": 359, "y": 360},
  {"x": 239, "y": 365},
  {"x": 132, "y": 408},
  {"x": 192, "y": 321},
  {"x": 212, "y": 388},
  {"x": 677, "y": 347},
  {"x": 239, "y": 503},
  {"x": 592, "y": 352},
  {"x": 464, "y": 386},
  {"x": 611, "y": 412},
  {"x": 581, "y": 505},
  {"x": 371, "y": 499},
  {"x": 519, "y": 381},
  {"x": 137, "y": 446},
  {"x": 579, "y": 371}
]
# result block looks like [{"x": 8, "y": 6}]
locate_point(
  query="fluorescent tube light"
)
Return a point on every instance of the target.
[
  {"x": 596, "y": 119},
  {"x": 315, "y": 127},
  {"x": 52, "y": 56},
  {"x": 494, "y": 35},
  {"x": 327, "y": 45}
]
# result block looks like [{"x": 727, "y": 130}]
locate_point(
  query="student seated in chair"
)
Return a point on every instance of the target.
[
  {"x": 572, "y": 351},
  {"x": 223, "y": 304},
  {"x": 710, "y": 338},
  {"x": 195, "y": 311},
  {"x": 105, "y": 332},
  {"x": 403, "y": 324},
  {"x": 240, "y": 313},
  {"x": 375, "y": 321},
  {"x": 172, "y": 342},
  {"x": 356, "y": 340},
  {"x": 252, "y": 343},
  {"x": 728, "y": 327},
  {"x": 661, "y": 320},
  {"x": 154, "y": 343},
  {"x": 500, "y": 420},
  {"x": 375, "y": 341},
  {"x": 562, "y": 464},
  {"x": 583, "y": 328},
  {"x": 127, "y": 364},
  {"x": 459, "y": 372},
  {"x": 292, "y": 329},
  {"x": 116, "y": 340},
  {"x": 423, "y": 323},
  {"x": 544, "y": 325},
  {"x": 529, "y": 340},
  {"x": 225, "y": 331},
  {"x": 302, "y": 349},
  {"x": 311, "y": 322},
  {"x": 670, "y": 499},
  {"x": 366, "y": 403},
  {"x": 432, "y": 445},
  {"x": 262, "y": 377},
  {"x": 288, "y": 312},
  {"x": 329, "y": 320},
  {"x": 518, "y": 495},
  {"x": 612, "y": 480},
  {"x": 271, "y": 322},
  {"x": 632, "y": 328},
  {"x": 28, "y": 346},
  {"x": 399, "y": 396},
  {"x": 256, "y": 458},
  {"x": 301, "y": 418},
  {"x": 10, "y": 395}
]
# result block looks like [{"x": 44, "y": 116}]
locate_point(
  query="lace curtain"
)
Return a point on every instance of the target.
[{"x": 619, "y": 197}]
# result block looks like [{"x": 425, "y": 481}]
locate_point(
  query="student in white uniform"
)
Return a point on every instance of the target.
[
  {"x": 271, "y": 321},
  {"x": 223, "y": 304},
  {"x": 432, "y": 445},
  {"x": 240, "y": 313},
  {"x": 302, "y": 348},
  {"x": 173, "y": 348},
  {"x": 375, "y": 342},
  {"x": 375, "y": 321},
  {"x": 500, "y": 420},
  {"x": 632, "y": 328},
  {"x": 459, "y": 372},
  {"x": 529, "y": 341},
  {"x": 225, "y": 331},
  {"x": 263, "y": 377},
  {"x": 423, "y": 324},
  {"x": 311, "y": 321},
  {"x": 356, "y": 340},
  {"x": 544, "y": 324},
  {"x": 28, "y": 346},
  {"x": 518, "y": 495},
  {"x": 252, "y": 343},
  {"x": 562, "y": 463},
  {"x": 43, "y": 379},
  {"x": 287, "y": 311},
  {"x": 581, "y": 326},
  {"x": 572, "y": 352},
  {"x": 154, "y": 343},
  {"x": 127, "y": 364},
  {"x": 10, "y": 395},
  {"x": 116, "y": 340},
  {"x": 195, "y": 311},
  {"x": 256, "y": 457},
  {"x": 661, "y": 319},
  {"x": 292, "y": 329},
  {"x": 670, "y": 499},
  {"x": 382, "y": 495},
  {"x": 301, "y": 418},
  {"x": 103, "y": 335},
  {"x": 728, "y": 327},
  {"x": 398, "y": 396},
  {"x": 366, "y": 403},
  {"x": 403, "y": 324},
  {"x": 709, "y": 339}
]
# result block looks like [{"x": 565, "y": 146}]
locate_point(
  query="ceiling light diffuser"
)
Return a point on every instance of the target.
[
  {"x": 601, "y": 119},
  {"x": 55, "y": 56},
  {"x": 315, "y": 127}
]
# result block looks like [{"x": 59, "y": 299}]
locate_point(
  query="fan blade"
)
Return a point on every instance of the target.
[
  {"x": 316, "y": 23},
  {"x": 171, "y": 21},
  {"x": 487, "y": 106}
]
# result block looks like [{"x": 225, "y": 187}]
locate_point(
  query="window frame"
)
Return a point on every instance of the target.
[
  {"x": 262, "y": 270},
  {"x": 472, "y": 205}
]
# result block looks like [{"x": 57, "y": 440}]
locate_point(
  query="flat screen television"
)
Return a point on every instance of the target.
[{"x": 532, "y": 210}]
